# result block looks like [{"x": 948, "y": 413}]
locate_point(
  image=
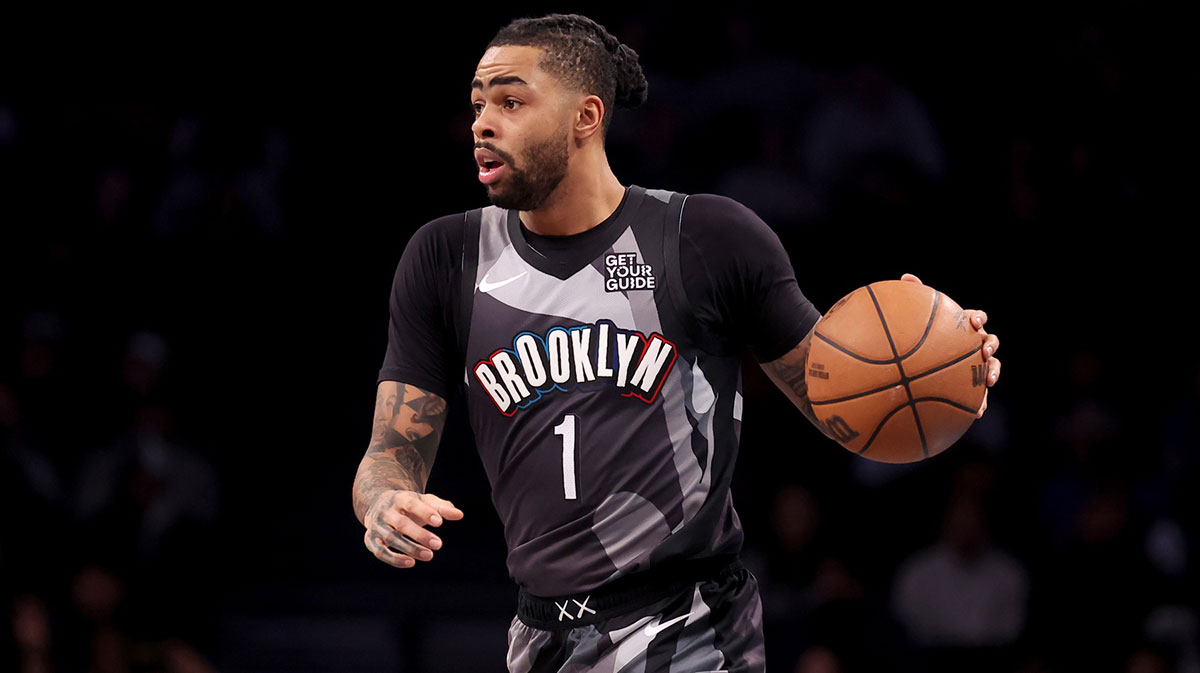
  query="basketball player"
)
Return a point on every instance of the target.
[{"x": 597, "y": 328}]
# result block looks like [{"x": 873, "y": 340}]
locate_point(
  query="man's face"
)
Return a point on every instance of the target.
[{"x": 521, "y": 128}]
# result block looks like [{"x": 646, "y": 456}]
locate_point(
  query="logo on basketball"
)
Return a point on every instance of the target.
[
  {"x": 977, "y": 374},
  {"x": 840, "y": 429}
]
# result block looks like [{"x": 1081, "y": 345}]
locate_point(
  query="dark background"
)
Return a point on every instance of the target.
[{"x": 199, "y": 223}]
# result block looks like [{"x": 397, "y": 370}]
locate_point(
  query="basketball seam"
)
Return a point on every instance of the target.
[
  {"x": 899, "y": 358},
  {"x": 855, "y": 395},
  {"x": 943, "y": 400},
  {"x": 900, "y": 366},
  {"x": 879, "y": 427},
  {"x": 912, "y": 404},
  {"x": 914, "y": 377},
  {"x": 851, "y": 353},
  {"x": 951, "y": 363},
  {"x": 937, "y": 299}
]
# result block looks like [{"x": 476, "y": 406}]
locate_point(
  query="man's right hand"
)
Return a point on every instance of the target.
[{"x": 395, "y": 523}]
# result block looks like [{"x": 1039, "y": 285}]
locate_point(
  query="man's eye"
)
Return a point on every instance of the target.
[
  {"x": 476, "y": 108},
  {"x": 512, "y": 104}
]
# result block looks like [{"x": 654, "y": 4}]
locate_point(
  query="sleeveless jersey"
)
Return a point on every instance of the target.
[{"x": 608, "y": 431}]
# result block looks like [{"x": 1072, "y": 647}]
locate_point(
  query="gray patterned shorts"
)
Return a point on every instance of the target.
[{"x": 714, "y": 625}]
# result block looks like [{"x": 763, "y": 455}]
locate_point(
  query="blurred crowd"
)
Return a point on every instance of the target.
[
  {"x": 104, "y": 526},
  {"x": 1058, "y": 535}
]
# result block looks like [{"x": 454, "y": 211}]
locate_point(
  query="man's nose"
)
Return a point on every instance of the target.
[{"x": 483, "y": 126}]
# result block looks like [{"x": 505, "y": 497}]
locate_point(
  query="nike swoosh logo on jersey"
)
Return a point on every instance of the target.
[
  {"x": 652, "y": 631},
  {"x": 485, "y": 286}
]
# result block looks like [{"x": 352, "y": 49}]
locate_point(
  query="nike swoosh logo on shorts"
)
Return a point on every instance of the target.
[
  {"x": 485, "y": 286},
  {"x": 652, "y": 631}
]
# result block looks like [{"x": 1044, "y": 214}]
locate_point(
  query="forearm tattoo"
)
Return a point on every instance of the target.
[
  {"x": 404, "y": 439},
  {"x": 788, "y": 373}
]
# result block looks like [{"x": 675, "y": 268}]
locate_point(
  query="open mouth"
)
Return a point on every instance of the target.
[{"x": 490, "y": 166}]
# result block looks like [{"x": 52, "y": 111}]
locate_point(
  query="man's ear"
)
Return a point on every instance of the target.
[{"x": 589, "y": 117}]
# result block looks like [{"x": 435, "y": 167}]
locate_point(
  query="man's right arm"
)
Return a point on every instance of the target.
[{"x": 389, "y": 489}]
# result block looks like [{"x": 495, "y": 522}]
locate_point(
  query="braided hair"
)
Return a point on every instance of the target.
[{"x": 581, "y": 54}]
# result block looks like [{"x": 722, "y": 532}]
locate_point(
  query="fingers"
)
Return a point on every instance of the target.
[
  {"x": 990, "y": 345},
  {"x": 415, "y": 507},
  {"x": 911, "y": 278},
  {"x": 412, "y": 541},
  {"x": 398, "y": 535},
  {"x": 418, "y": 541},
  {"x": 445, "y": 508},
  {"x": 978, "y": 318},
  {"x": 379, "y": 548}
]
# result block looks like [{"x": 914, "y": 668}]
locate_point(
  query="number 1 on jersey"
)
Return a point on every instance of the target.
[{"x": 569, "y": 432}]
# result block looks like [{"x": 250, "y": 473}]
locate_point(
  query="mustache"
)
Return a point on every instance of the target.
[{"x": 500, "y": 153}]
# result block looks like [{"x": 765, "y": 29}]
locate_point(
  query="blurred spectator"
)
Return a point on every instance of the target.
[
  {"x": 1102, "y": 546},
  {"x": 31, "y": 634},
  {"x": 225, "y": 178},
  {"x": 1149, "y": 659},
  {"x": 144, "y": 487},
  {"x": 1175, "y": 629},
  {"x": 962, "y": 594},
  {"x": 852, "y": 623},
  {"x": 819, "y": 660},
  {"x": 818, "y": 612},
  {"x": 36, "y": 460},
  {"x": 769, "y": 182},
  {"x": 868, "y": 122},
  {"x": 1085, "y": 432},
  {"x": 144, "y": 370},
  {"x": 146, "y": 507},
  {"x": 795, "y": 549}
]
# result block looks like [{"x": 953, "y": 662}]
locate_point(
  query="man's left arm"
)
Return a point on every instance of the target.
[{"x": 788, "y": 371}]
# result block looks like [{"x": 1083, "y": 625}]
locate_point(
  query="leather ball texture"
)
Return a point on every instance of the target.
[{"x": 896, "y": 372}]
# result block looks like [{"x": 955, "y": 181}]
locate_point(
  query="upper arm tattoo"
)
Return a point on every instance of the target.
[
  {"x": 404, "y": 440},
  {"x": 788, "y": 374}
]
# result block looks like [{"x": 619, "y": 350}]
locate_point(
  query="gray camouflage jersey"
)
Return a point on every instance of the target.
[{"x": 608, "y": 432}]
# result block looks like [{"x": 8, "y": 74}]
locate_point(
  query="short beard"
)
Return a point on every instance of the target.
[{"x": 544, "y": 166}]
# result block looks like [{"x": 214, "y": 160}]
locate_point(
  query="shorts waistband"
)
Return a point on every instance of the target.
[{"x": 620, "y": 596}]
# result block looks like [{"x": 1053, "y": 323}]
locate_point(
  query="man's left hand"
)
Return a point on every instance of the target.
[{"x": 990, "y": 345}]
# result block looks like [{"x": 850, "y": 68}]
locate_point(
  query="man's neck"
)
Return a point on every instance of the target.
[{"x": 580, "y": 202}]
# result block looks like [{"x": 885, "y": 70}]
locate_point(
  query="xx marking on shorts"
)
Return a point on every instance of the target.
[{"x": 562, "y": 609}]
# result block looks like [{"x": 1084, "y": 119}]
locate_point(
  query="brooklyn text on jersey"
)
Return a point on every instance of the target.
[{"x": 586, "y": 357}]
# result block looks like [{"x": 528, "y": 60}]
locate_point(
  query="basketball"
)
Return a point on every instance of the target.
[{"x": 896, "y": 371}]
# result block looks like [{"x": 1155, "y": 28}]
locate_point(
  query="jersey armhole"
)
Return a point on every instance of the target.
[
  {"x": 470, "y": 262},
  {"x": 672, "y": 228}
]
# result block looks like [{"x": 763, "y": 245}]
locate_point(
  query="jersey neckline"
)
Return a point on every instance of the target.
[{"x": 563, "y": 256}]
